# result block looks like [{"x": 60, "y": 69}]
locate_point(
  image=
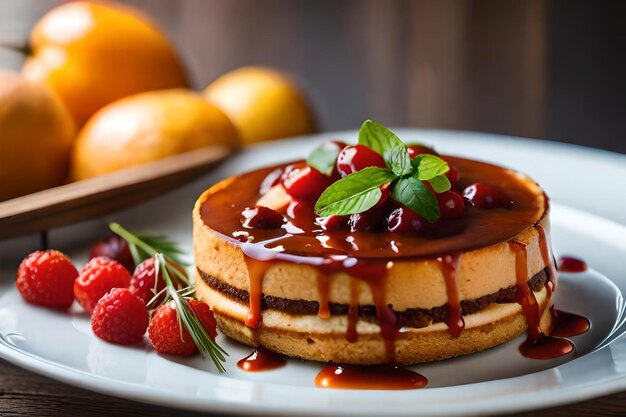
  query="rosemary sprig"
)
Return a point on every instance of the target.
[
  {"x": 187, "y": 317},
  {"x": 143, "y": 247},
  {"x": 166, "y": 256}
]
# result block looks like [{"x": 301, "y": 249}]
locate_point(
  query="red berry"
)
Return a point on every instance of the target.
[
  {"x": 261, "y": 217},
  {"x": 120, "y": 317},
  {"x": 47, "y": 279},
  {"x": 453, "y": 174},
  {"x": 486, "y": 196},
  {"x": 333, "y": 222},
  {"x": 354, "y": 158},
  {"x": 405, "y": 220},
  {"x": 143, "y": 284},
  {"x": 451, "y": 205},
  {"x": 204, "y": 313},
  {"x": 165, "y": 332},
  {"x": 385, "y": 194},
  {"x": 116, "y": 248},
  {"x": 367, "y": 220},
  {"x": 304, "y": 182},
  {"x": 415, "y": 150},
  {"x": 97, "y": 278}
]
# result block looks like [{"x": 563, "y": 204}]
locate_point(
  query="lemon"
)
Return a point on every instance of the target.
[
  {"x": 36, "y": 135},
  {"x": 147, "y": 127},
  {"x": 263, "y": 103}
]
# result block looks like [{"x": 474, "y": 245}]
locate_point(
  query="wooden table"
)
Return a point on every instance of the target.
[{"x": 23, "y": 393}]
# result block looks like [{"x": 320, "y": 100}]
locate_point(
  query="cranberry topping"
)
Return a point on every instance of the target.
[
  {"x": 333, "y": 222},
  {"x": 114, "y": 248},
  {"x": 486, "y": 196},
  {"x": 261, "y": 217},
  {"x": 354, "y": 158},
  {"x": 304, "y": 182},
  {"x": 367, "y": 220},
  {"x": 415, "y": 150},
  {"x": 405, "y": 220},
  {"x": 384, "y": 198},
  {"x": 452, "y": 174},
  {"x": 451, "y": 205}
]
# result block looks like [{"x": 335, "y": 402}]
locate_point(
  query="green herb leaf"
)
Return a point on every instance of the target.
[
  {"x": 429, "y": 166},
  {"x": 440, "y": 183},
  {"x": 388, "y": 145},
  {"x": 355, "y": 193},
  {"x": 144, "y": 247},
  {"x": 323, "y": 157},
  {"x": 412, "y": 193}
]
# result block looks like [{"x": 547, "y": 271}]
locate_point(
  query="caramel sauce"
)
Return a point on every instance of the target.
[
  {"x": 568, "y": 324},
  {"x": 454, "y": 316},
  {"x": 353, "y": 312},
  {"x": 571, "y": 264},
  {"x": 382, "y": 377},
  {"x": 537, "y": 344},
  {"x": 364, "y": 255},
  {"x": 323, "y": 288},
  {"x": 261, "y": 360}
]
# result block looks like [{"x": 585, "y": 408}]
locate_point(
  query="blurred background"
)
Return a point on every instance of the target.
[{"x": 542, "y": 69}]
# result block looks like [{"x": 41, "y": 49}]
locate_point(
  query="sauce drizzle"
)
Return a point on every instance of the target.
[
  {"x": 454, "y": 316},
  {"x": 261, "y": 360},
  {"x": 380, "y": 377},
  {"x": 571, "y": 264}
]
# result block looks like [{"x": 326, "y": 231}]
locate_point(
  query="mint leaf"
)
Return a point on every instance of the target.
[
  {"x": 323, "y": 157},
  {"x": 440, "y": 183},
  {"x": 412, "y": 193},
  {"x": 429, "y": 166},
  {"x": 355, "y": 193},
  {"x": 388, "y": 145}
]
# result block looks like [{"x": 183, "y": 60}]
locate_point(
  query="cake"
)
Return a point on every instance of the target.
[{"x": 389, "y": 279}]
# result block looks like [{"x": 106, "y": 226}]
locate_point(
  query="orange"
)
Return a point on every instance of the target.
[
  {"x": 92, "y": 54},
  {"x": 263, "y": 103},
  {"x": 147, "y": 127},
  {"x": 36, "y": 134}
]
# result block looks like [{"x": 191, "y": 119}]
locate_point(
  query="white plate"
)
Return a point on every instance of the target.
[{"x": 499, "y": 380}]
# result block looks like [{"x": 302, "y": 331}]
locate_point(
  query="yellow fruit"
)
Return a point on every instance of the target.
[
  {"x": 147, "y": 127},
  {"x": 92, "y": 54},
  {"x": 36, "y": 134},
  {"x": 263, "y": 103}
]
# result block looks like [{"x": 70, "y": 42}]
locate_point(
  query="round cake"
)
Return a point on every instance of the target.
[{"x": 382, "y": 285}]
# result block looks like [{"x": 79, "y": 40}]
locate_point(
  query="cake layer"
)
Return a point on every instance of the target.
[
  {"x": 412, "y": 317},
  {"x": 309, "y": 337}
]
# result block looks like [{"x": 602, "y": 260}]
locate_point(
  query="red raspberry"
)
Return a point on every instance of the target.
[
  {"x": 47, "y": 278},
  {"x": 97, "y": 278},
  {"x": 165, "y": 333},
  {"x": 120, "y": 317},
  {"x": 142, "y": 283}
]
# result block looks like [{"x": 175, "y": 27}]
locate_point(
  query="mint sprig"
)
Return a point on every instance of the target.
[
  {"x": 360, "y": 191},
  {"x": 388, "y": 145},
  {"x": 355, "y": 193}
]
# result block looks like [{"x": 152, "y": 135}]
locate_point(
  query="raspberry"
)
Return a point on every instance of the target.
[
  {"x": 120, "y": 317},
  {"x": 165, "y": 333},
  {"x": 205, "y": 315},
  {"x": 142, "y": 283},
  {"x": 97, "y": 278},
  {"x": 46, "y": 279}
]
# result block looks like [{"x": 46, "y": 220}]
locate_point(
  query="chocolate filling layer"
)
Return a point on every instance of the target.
[{"x": 412, "y": 317}]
